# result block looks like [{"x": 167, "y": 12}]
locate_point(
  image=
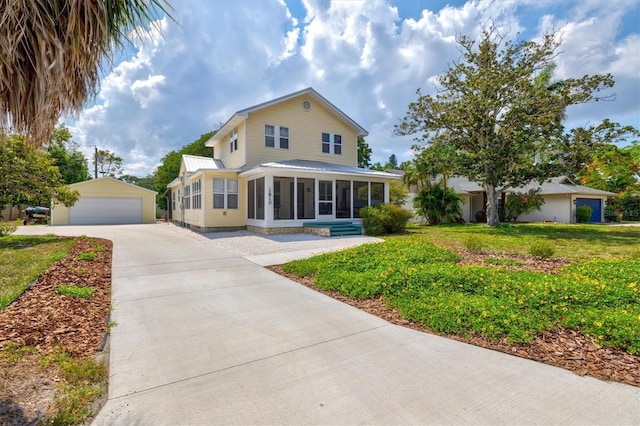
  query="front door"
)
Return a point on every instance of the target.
[{"x": 325, "y": 200}]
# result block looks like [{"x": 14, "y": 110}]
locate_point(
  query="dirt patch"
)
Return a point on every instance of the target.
[
  {"x": 565, "y": 348},
  {"x": 44, "y": 319}
]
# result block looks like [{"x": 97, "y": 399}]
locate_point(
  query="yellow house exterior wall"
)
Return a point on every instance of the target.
[
  {"x": 305, "y": 136},
  {"x": 237, "y": 158},
  {"x": 207, "y": 217},
  {"x": 108, "y": 188}
]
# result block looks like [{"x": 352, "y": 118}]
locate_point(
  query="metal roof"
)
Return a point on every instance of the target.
[
  {"x": 321, "y": 167},
  {"x": 194, "y": 163}
]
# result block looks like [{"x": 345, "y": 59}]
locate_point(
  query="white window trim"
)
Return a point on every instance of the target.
[
  {"x": 233, "y": 140},
  {"x": 226, "y": 194},
  {"x": 332, "y": 143},
  {"x": 277, "y": 136}
]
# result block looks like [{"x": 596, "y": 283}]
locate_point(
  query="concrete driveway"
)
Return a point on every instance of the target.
[{"x": 205, "y": 336}]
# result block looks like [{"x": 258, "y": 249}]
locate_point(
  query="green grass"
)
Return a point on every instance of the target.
[
  {"x": 84, "y": 380},
  {"x": 425, "y": 283},
  {"x": 25, "y": 258},
  {"x": 76, "y": 291},
  {"x": 87, "y": 256},
  {"x": 578, "y": 242},
  {"x": 500, "y": 261}
]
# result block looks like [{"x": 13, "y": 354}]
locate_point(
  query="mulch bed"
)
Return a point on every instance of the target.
[
  {"x": 565, "y": 348},
  {"x": 45, "y": 319}
]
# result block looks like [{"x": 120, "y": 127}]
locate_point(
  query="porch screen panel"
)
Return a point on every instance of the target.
[
  {"x": 325, "y": 197},
  {"x": 283, "y": 194},
  {"x": 260, "y": 198},
  {"x": 360, "y": 197},
  {"x": 251, "y": 199},
  {"x": 343, "y": 199},
  {"x": 306, "y": 198},
  {"x": 377, "y": 193}
]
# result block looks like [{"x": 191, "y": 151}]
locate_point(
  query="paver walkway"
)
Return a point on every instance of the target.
[{"x": 205, "y": 336}]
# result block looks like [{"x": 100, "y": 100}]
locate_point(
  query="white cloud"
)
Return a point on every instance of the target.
[{"x": 222, "y": 56}]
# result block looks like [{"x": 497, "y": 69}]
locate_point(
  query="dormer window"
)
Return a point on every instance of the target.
[{"x": 233, "y": 140}]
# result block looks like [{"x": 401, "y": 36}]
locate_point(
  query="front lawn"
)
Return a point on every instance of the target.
[
  {"x": 599, "y": 295},
  {"x": 24, "y": 258},
  {"x": 578, "y": 242}
]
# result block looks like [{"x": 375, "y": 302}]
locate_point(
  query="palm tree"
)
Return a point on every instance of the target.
[
  {"x": 438, "y": 203},
  {"x": 52, "y": 54}
]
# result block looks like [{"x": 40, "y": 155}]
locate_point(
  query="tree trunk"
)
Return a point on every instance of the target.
[{"x": 492, "y": 206}]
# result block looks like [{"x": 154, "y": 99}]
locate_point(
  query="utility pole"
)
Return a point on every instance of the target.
[{"x": 95, "y": 163}]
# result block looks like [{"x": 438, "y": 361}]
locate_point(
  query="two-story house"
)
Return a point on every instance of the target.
[{"x": 276, "y": 166}]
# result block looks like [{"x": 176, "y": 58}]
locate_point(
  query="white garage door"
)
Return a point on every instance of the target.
[{"x": 106, "y": 211}]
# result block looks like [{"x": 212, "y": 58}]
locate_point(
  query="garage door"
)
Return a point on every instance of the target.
[
  {"x": 106, "y": 211},
  {"x": 596, "y": 207}
]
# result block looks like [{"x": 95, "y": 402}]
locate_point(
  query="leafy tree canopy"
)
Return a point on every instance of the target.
[
  {"x": 28, "y": 176},
  {"x": 170, "y": 167},
  {"x": 64, "y": 152},
  {"x": 495, "y": 112},
  {"x": 364, "y": 153},
  {"x": 108, "y": 163}
]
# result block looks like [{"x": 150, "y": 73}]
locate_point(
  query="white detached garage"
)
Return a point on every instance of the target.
[{"x": 107, "y": 201}]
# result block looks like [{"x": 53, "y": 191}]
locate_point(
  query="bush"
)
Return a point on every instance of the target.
[
  {"x": 384, "y": 219},
  {"x": 583, "y": 214},
  {"x": 474, "y": 244},
  {"x": 438, "y": 203},
  {"x": 518, "y": 203},
  {"x": 542, "y": 249},
  {"x": 7, "y": 228},
  {"x": 481, "y": 216}
]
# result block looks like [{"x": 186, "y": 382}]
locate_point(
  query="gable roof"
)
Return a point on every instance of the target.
[
  {"x": 552, "y": 186},
  {"x": 242, "y": 115},
  {"x": 319, "y": 167},
  {"x": 108, "y": 178}
]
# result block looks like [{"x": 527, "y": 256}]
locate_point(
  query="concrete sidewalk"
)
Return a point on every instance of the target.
[{"x": 205, "y": 336}]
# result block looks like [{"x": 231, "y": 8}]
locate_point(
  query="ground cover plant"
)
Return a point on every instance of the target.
[
  {"x": 429, "y": 285},
  {"x": 50, "y": 333}
]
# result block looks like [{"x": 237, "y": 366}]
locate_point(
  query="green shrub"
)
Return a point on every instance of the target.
[
  {"x": 583, "y": 214},
  {"x": 518, "y": 204},
  {"x": 474, "y": 244},
  {"x": 438, "y": 203},
  {"x": 542, "y": 249},
  {"x": 384, "y": 219},
  {"x": 7, "y": 228}
]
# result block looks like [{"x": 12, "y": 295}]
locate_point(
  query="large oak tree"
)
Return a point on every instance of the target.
[{"x": 497, "y": 110}]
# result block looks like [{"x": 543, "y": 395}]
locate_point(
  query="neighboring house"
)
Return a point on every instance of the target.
[
  {"x": 107, "y": 201},
  {"x": 275, "y": 167},
  {"x": 561, "y": 195}
]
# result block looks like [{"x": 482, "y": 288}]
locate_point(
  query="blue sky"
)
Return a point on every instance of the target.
[{"x": 366, "y": 57}]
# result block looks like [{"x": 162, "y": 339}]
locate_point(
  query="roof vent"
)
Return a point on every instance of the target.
[{"x": 306, "y": 105}]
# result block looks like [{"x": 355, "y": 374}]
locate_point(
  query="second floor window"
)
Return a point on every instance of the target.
[
  {"x": 331, "y": 144},
  {"x": 233, "y": 140},
  {"x": 276, "y": 136}
]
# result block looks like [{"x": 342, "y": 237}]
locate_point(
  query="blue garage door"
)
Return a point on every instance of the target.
[{"x": 596, "y": 207}]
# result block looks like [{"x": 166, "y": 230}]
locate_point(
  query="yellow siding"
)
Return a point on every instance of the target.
[
  {"x": 108, "y": 188},
  {"x": 218, "y": 218},
  {"x": 305, "y": 133},
  {"x": 235, "y": 159},
  {"x": 207, "y": 216}
]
